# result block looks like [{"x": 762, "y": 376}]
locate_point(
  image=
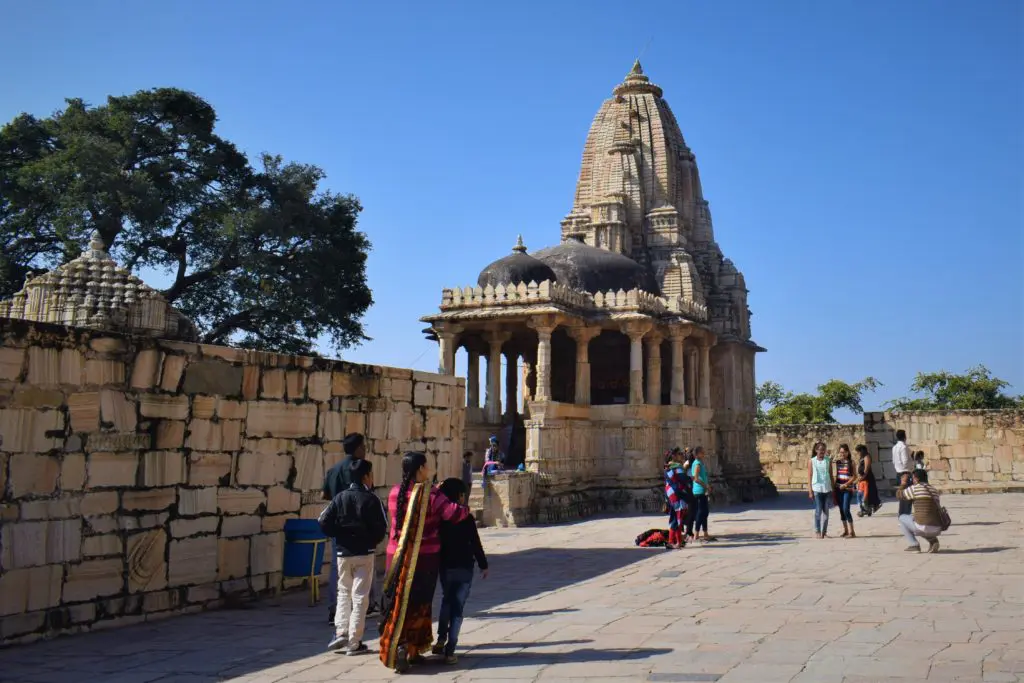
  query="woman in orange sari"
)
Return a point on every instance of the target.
[{"x": 416, "y": 509}]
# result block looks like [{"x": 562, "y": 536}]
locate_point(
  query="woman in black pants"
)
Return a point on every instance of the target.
[{"x": 701, "y": 490}]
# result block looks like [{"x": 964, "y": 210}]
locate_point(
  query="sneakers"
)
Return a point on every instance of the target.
[
  {"x": 401, "y": 660},
  {"x": 330, "y": 616},
  {"x": 933, "y": 545},
  {"x": 356, "y": 649},
  {"x": 438, "y": 648},
  {"x": 337, "y": 643},
  {"x": 451, "y": 659},
  {"x": 912, "y": 549}
]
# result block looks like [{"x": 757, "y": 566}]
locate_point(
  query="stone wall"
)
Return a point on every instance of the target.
[
  {"x": 139, "y": 478},
  {"x": 968, "y": 451}
]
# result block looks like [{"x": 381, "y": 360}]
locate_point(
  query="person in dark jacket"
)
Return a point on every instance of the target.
[
  {"x": 361, "y": 526},
  {"x": 460, "y": 549},
  {"x": 338, "y": 479}
]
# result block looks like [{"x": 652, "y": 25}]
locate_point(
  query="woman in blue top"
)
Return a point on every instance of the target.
[
  {"x": 701, "y": 489},
  {"x": 820, "y": 482}
]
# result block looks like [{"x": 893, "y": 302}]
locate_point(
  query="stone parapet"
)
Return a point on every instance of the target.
[{"x": 142, "y": 477}]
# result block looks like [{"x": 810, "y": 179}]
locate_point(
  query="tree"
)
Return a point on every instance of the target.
[
  {"x": 976, "y": 389},
  {"x": 777, "y": 406},
  {"x": 259, "y": 256}
]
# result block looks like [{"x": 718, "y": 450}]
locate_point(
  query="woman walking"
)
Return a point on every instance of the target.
[
  {"x": 867, "y": 487},
  {"x": 677, "y": 486},
  {"x": 819, "y": 480},
  {"x": 846, "y": 480},
  {"x": 701, "y": 490},
  {"x": 413, "y": 560}
]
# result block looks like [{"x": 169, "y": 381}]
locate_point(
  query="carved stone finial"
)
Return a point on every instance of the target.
[
  {"x": 97, "y": 249},
  {"x": 520, "y": 248},
  {"x": 637, "y": 69}
]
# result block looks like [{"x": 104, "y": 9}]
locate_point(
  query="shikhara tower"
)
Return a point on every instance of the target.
[{"x": 637, "y": 278}]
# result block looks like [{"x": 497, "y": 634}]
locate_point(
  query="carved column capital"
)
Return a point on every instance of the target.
[
  {"x": 635, "y": 329},
  {"x": 654, "y": 338},
  {"x": 447, "y": 329},
  {"x": 679, "y": 332},
  {"x": 583, "y": 334},
  {"x": 543, "y": 324}
]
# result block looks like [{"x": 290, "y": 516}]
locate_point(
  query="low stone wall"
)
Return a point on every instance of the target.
[
  {"x": 140, "y": 478},
  {"x": 967, "y": 451}
]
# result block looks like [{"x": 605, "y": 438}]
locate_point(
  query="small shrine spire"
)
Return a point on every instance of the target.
[
  {"x": 520, "y": 248},
  {"x": 637, "y": 70},
  {"x": 97, "y": 249}
]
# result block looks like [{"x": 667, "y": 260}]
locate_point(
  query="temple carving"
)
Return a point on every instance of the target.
[{"x": 630, "y": 336}]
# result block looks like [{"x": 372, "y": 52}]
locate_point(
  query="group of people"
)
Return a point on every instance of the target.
[
  {"x": 431, "y": 538},
  {"x": 687, "y": 487},
  {"x": 838, "y": 482}
]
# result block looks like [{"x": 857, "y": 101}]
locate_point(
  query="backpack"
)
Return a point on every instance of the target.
[
  {"x": 328, "y": 519},
  {"x": 944, "y": 517}
]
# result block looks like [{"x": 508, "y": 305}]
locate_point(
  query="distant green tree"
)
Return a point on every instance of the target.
[
  {"x": 976, "y": 389},
  {"x": 259, "y": 256},
  {"x": 777, "y": 406}
]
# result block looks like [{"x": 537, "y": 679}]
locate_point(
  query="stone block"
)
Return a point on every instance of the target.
[
  {"x": 233, "y": 501},
  {"x": 43, "y": 366},
  {"x": 104, "y": 371},
  {"x": 258, "y": 469},
  {"x": 149, "y": 500},
  {"x": 146, "y": 369},
  {"x": 163, "y": 406},
  {"x": 84, "y": 409},
  {"x": 117, "y": 410},
  {"x": 31, "y": 544},
  {"x": 232, "y": 558},
  {"x": 377, "y": 425},
  {"x": 204, "y": 407},
  {"x": 240, "y": 525},
  {"x": 100, "y": 503},
  {"x": 25, "y": 430},
  {"x": 12, "y": 361},
  {"x": 276, "y": 522},
  {"x": 281, "y": 499},
  {"x": 170, "y": 376},
  {"x": 250, "y": 382},
  {"x": 204, "y": 435},
  {"x": 983, "y": 464},
  {"x": 208, "y": 469},
  {"x": 442, "y": 396},
  {"x": 163, "y": 468},
  {"x": 309, "y": 468},
  {"x": 72, "y": 472},
  {"x": 269, "y": 418},
  {"x": 182, "y": 528},
  {"x": 160, "y": 601},
  {"x": 109, "y": 441},
  {"x": 439, "y": 424},
  {"x": 270, "y": 446},
  {"x": 203, "y": 595},
  {"x": 192, "y": 561},
  {"x": 52, "y": 509},
  {"x": 266, "y": 553},
  {"x": 231, "y": 410},
  {"x": 111, "y": 469},
  {"x": 332, "y": 425},
  {"x": 212, "y": 377},
  {"x": 354, "y": 383},
  {"x": 400, "y": 422},
  {"x": 29, "y": 590},
  {"x": 401, "y": 390},
  {"x": 231, "y": 435},
  {"x": 272, "y": 385},
  {"x": 33, "y": 397},
  {"x": 33, "y": 475},
  {"x": 228, "y": 353},
  {"x": 355, "y": 422},
  {"x": 169, "y": 434},
  {"x": 104, "y": 545},
  {"x": 319, "y": 386},
  {"x": 423, "y": 394},
  {"x": 295, "y": 385},
  {"x": 200, "y": 501},
  {"x": 92, "y": 579}
]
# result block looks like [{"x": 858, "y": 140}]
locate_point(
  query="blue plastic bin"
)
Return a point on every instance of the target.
[{"x": 304, "y": 546}]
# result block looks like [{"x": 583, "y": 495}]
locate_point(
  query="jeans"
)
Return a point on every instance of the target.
[
  {"x": 860, "y": 498},
  {"x": 355, "y": 576},
  {"x": 911, "y": 531},
  {"x": 332, "y": 584},
  {"x": 821, "y": 512},
  {"x": 456, "y": 583},
  {"x": 845, "y": 499},
  {"x": 700, "y": 518}
]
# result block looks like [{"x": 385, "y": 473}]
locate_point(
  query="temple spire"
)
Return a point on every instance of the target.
[
  {"x": 520, "y": 248},
  {"x": 637, "y": 70}
]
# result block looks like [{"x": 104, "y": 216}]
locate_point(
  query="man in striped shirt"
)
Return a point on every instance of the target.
[{"x": 925, "y": 520}]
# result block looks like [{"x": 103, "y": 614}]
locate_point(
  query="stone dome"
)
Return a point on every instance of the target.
[
  {"x": 592, "y": 269},
  {"x": 515, "y": 268},
  {"x": 93, "y": 291}
]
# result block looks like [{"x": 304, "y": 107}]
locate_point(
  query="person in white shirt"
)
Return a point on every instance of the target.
[{"x": 901, "y": 458}]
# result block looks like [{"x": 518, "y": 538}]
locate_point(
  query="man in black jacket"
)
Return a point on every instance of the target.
[
  {"x": 338, "y": 479},
  {"x": 361, "y": 525}
]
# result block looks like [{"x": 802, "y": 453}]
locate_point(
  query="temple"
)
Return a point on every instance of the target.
[{"x": 629, "y": 337}]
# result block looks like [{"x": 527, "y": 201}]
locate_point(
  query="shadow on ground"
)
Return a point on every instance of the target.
[{"x": 968, "y": 551}]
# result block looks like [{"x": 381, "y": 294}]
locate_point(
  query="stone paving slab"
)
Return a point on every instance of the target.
[{"x": 577, "y": 602}]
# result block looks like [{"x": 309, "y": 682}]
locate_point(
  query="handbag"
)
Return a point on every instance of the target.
[{"x": 944, "y": 517}]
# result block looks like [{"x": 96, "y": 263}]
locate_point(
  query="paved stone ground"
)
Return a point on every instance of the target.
[{"x": 768, "y": 602}]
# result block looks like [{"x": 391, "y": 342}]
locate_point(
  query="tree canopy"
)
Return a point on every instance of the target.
[
  {"x": 976, "y": 389},
  {"x": 259, "y": 256},
  {"x": 777, "y": 406}
]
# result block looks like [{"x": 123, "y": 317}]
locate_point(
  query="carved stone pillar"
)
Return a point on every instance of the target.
[
  {"x": 511, "y": 383},
  {"x": 691, "y": 378},
  {"x": 492, "y": 408},
  {"x": 636, "y": 330},
  {"x": 705, "y": 374},
  {"x": 446, "y": 341},
  {"x": 472, "y": 378},
  {"x": 529, "y": 380},
  {"x": 677, "y": 335},
  {"x": 583, "y": 335},
  {"x": 544, "y": 325},
  {"x": 654, "y": 367}
]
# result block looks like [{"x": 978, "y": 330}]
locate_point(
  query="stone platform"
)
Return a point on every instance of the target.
[{"x": 766, "y": 603}]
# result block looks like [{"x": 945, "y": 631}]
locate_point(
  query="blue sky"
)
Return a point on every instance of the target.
[{"x": 864, "y": 160}]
